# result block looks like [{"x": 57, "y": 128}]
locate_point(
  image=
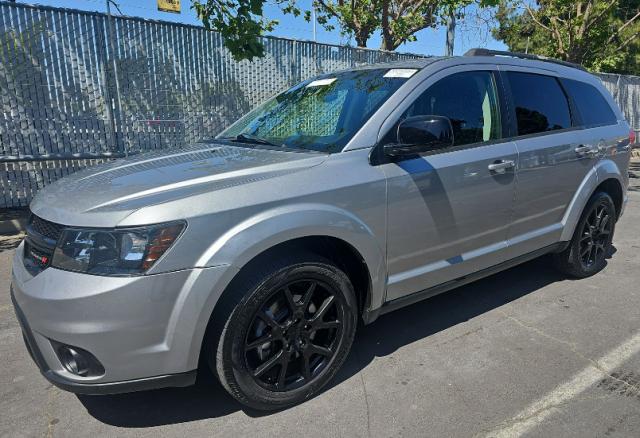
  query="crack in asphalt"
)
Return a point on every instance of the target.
[
  {"x": 364, "y": 390},
  {"x": 506, "y": 424},
  {"x": 366, "y": 400},
  {"x": 573, "y": 348},
  {"x": 592, "y": 372},
  {"x": 51, "y": 420}
]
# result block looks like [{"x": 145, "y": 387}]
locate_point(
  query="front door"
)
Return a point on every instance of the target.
[{"x": 449, "y": 210}]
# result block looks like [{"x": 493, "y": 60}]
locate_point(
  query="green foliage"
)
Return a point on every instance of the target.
[
  {"x": 397, "y": 21},
  {"x": 240, "y": 22},
  {"x": 602, "y": 35}
]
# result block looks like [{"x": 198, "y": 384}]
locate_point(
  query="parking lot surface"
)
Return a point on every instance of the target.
[{"x": 522, "y": 353}]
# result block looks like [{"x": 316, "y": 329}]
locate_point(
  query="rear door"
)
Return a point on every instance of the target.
[
  {"x": 448, "y": 211},
  {"x": 601, "y": 129},
  {"x": 552, "y": 157}
]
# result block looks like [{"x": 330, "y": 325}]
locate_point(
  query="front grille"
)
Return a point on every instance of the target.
[
  {"x": 39, "y": 244},
  {"x": 45, "y": 228},
  {"x": 36, "y": 259}
]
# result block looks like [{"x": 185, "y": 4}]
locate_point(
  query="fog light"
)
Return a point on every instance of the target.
[
  {"x": 73, "y": 361},
  {"x": 78, "y": 361}
]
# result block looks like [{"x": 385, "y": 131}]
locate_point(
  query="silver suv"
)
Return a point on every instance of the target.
[{"x": 343, "y": 198}]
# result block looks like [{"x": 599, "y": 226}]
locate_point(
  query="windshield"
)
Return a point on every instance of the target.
[{"x": 320, "y": 114}]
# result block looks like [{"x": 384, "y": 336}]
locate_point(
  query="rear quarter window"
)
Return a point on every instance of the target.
[{"x": 593, "y": 108}]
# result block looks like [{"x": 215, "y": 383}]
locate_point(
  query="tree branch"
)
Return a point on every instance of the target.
[
  {"x": 558, "y": 37},
  {"x": 628, "y": 41},
  {"x": 601, "y": 14},
  {"x": 535, "y": 20},
  {"x": 585, "y": 20},
  {"x": 622, "y": 27}
]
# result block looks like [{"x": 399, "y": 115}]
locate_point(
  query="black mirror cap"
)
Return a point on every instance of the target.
[{"x": 421, "y": 134}]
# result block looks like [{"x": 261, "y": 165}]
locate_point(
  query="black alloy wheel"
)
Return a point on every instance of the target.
[
  {"x": 293, "y": 335},
  {"x": 290, "y": 325},
  {"x": 596, "y": 235},
  {"x": 591, "y": 244}
]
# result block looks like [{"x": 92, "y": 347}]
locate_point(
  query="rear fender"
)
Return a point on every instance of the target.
[{"x": 603, "y": 170}]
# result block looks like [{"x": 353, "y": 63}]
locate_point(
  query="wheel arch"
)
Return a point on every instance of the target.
[
  {"x": 613, "y": 188},
  {"x": 338, "y": 251},
  {"x": 605, "y": 176},
  {"x": 327, "y": 231}
]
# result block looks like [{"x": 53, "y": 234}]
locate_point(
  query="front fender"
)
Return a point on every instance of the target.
[
  {"x": 603, "y": 170},
  {"x": 234, "y": 249},
  {"x": 267, "y": 229}
]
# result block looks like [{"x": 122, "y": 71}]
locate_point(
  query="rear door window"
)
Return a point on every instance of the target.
[
  {"x": 540, "y": 103},
  {"x": 592, "y": 106}
]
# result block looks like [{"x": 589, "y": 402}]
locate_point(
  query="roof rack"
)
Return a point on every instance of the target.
[{"x": 488, "y": 52}]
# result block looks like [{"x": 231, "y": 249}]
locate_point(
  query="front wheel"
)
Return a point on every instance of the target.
[
  {"x": 591, "y": 241},
  {"x": 289, "y": 333}
]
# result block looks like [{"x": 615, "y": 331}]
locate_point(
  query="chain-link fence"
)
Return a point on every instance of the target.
[{"x": 77, "y": 88}]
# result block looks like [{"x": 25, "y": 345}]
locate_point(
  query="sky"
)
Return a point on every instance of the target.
[{"x": 429, "y": 41}]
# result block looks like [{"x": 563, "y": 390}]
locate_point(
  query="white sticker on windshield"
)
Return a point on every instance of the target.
[
  {"x": 321, "y": 82},
  {"x": 400, "y": 73}
]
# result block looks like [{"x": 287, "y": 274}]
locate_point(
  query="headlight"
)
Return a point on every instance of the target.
[{"x": 114, "y": 252}]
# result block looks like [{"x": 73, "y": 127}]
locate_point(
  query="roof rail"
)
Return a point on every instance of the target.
[{"x": 488, "y": 52}]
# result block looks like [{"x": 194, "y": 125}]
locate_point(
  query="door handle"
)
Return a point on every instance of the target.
[
  {"x": 585, "y": 150},
  {"x": 501, "y": 166}
]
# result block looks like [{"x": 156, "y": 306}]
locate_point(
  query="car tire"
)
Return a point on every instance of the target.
[
  {"x": 290, "y": 325},
  {"x": 590, "y": 245}
]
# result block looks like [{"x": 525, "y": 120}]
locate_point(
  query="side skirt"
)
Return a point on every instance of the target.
[{"x": 390, "y": 306}]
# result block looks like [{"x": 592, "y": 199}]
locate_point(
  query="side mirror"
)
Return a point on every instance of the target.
[{"x": 421, "y": 134}]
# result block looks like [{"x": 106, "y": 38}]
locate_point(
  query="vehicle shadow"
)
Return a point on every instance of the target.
[{"x": 207, "y": 399}]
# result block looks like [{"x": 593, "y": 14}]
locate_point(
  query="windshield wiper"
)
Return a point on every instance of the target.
[{"x": 249, "y": 138}]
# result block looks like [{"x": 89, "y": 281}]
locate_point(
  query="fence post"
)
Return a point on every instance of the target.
[
  {"x": 294, "y": 66},
  {"x": 112, "y": 52},
  {"x": 101, "y": 46}
]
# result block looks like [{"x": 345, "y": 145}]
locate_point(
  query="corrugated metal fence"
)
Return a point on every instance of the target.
[
  {"x": 77, "y": 88},
  {"x": 626, "y": 91}
]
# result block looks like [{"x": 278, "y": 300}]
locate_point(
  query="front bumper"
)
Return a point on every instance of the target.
[
  {"x": 146, "y": 331},
  {"x": 181, "y": 379}
]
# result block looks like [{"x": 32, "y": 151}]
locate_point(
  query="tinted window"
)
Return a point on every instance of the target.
[
  {"x": 540, "y": 103},
  {"x": 469, "y": 100},
  {"x": 592, "y": 106}
]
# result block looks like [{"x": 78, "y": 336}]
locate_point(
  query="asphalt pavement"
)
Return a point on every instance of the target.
[{"x": 522, "y": 353}]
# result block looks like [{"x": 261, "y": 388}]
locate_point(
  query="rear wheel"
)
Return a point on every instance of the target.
[
  {"x": 591, "y": 242},
  {"x": 288, "y": 334}
]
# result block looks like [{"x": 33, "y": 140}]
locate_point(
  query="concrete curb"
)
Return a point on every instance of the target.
[{"x": 13, "y": 221}]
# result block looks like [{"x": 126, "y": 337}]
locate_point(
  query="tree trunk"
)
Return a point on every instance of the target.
[
  {"x": 387, "y": 41},
  {"x": 361, "y": 39},
  {"x": 451, "y": 34}
]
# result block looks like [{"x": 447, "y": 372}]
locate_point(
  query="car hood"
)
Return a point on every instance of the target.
[{"x": 106, "y": 194}]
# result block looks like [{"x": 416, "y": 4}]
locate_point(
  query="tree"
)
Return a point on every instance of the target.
[
  {"x": 600, "y": 34},
  {"x": 241, "y": 22},
  {"x": 397, "y": 21}
]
